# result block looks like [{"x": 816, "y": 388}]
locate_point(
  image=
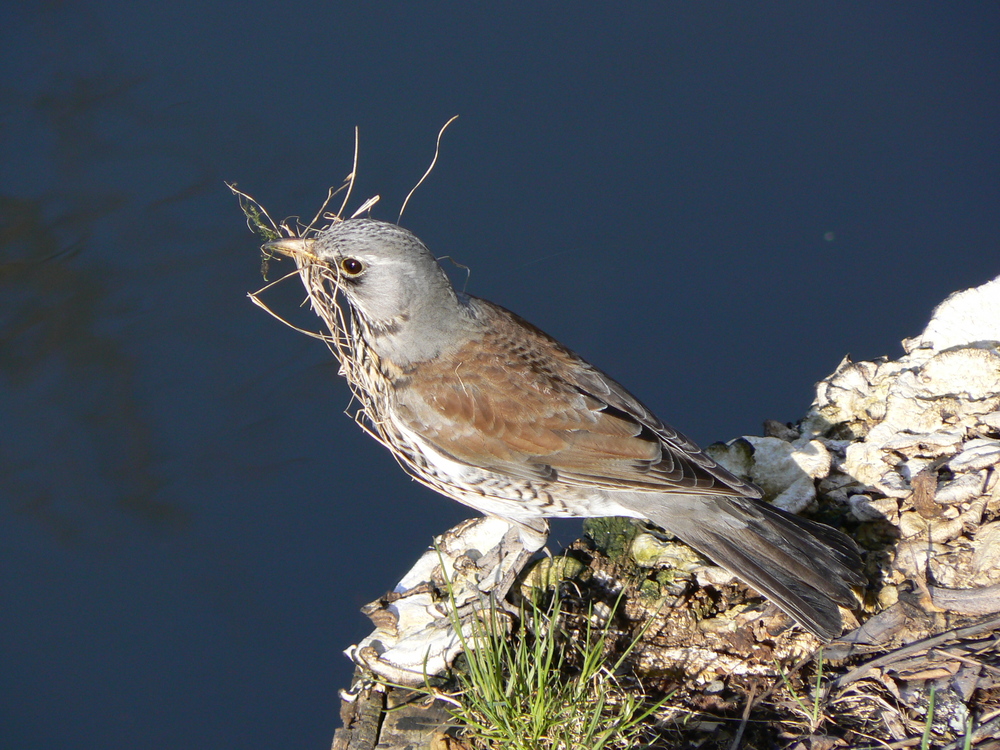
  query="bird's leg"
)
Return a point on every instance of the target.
[{"x": 496, "y": 570}]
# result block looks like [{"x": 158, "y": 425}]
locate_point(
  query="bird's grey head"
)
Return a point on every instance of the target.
[
  {"x": 392, "y": 281},
  {"x": 386, "y": 273}
]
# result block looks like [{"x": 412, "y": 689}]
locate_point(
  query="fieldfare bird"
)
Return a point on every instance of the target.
[{"x": 485, "y": 408}]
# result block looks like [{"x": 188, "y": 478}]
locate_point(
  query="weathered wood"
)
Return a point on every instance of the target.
[{"x": 380, "y": 718}]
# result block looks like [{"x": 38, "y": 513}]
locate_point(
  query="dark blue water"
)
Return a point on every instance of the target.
[{"x": 713, "y": 203}]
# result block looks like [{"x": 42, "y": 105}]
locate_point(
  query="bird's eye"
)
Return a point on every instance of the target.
[{"x": 352, "y": 266}]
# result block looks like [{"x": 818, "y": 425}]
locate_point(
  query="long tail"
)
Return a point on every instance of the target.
[{"x": 804, "y": 567}]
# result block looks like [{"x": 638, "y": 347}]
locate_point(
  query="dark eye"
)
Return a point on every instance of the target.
[{"x": 352, "y": 266}]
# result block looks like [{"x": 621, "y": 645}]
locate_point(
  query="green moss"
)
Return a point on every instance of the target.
[{"x": 612, "y": 536}]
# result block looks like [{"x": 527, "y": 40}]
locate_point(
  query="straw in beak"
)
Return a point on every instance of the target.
[{"x": 293, "y": 247}]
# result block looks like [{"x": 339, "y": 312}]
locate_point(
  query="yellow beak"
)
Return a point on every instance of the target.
[{"x": 293, "y": 247}]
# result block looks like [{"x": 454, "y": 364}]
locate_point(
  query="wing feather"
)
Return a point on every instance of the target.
[{"x": 518, "y": 402}]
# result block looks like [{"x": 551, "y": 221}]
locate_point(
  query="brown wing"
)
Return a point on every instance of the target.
[{"x": 519, "y": 403}]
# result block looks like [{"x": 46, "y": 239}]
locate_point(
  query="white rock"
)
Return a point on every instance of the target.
[
  {"x": 978, "y": 454},
  {"x": 986, "y": 558},
  {"x": 964, "y": 317},
  {"x": 736, "y": 456},
  {"x": 960, "y": 490},
  {"x": 909, "y": 469},
  {"x": 415, "y": 635},
  {"x": 846, "y": 397},
  {"x": 865, "y": 509},
  {"x": 869, "y": 465},
  {"x": 913, "y": 556},
  {"x": 925, "y": 444},
  {"x": 787, "y": 471},
  {"x": 970, "y": 373}
]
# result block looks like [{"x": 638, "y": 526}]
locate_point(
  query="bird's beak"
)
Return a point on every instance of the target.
[{"x": 293, "y": 247}]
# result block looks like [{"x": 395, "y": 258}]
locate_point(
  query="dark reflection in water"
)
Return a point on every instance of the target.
[
  {"x": 86, "y": 454},
  {"x": 188, "y": 523},
  {"x": 151, "y": 587}
]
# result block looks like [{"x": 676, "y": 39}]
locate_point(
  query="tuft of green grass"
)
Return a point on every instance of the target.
[
  {"x": 811, "y": 710},
  {"x": 545, "y": 688},
  {"x": 925, "y": 740}
]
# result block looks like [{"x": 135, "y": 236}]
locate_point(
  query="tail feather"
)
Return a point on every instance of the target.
[{"x": 804, "y": 567}]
